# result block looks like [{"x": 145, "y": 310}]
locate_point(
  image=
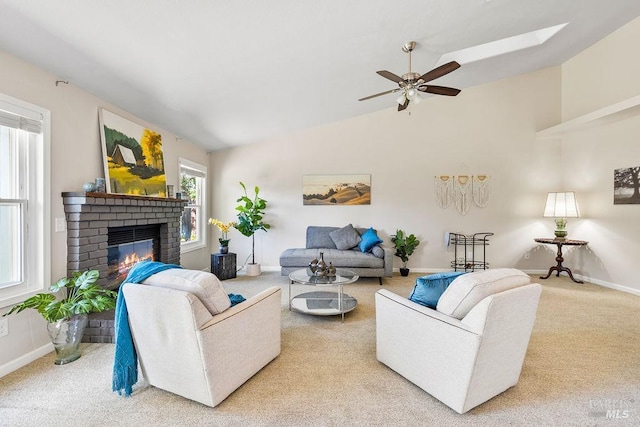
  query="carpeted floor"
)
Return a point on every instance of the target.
[{"x": 582, "y": 362}]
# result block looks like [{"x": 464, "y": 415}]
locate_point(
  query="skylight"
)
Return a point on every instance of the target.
[{"x": 502, "y": 46}]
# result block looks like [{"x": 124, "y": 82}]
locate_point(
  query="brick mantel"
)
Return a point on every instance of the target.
[{"x": 90, "y": 215}]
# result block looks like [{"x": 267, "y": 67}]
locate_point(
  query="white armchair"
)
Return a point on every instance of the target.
[
  {"x": 184, "y": 349},
  {"x": 468, "y": 350}
]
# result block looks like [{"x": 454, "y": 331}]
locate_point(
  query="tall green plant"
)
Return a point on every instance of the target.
[
  {"x": 82, "y": 296},
  {"x": 250, "y": 214},
  {"x": 405, "y": 245}
]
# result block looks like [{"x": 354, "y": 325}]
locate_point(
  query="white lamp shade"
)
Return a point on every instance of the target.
[
  {"x": 561, "y": 205},
  {"x": 401, "y": 99},
  {"x": 417, "y": 99}
]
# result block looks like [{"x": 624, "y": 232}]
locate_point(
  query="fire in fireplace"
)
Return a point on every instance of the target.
[{"x": 126, "y": 247}]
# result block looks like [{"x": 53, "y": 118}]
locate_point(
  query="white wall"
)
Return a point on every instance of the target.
[
  {"x": 76, "y": 157},
  {"x": 602, "y": 75},
  {"x": 489, "y": 129}
]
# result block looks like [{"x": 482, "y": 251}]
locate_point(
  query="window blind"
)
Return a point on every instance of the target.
[
  {"x": 193, "y": 172},
  {"x": 22, "y": 122}
]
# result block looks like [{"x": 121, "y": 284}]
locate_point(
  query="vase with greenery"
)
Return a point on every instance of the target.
[
  {"x": 250, "y": 220},
  {"x": 67, "y": 316},
  {"x": 405, "y": 245}
]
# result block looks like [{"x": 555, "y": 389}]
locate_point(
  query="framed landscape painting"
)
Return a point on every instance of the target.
[
  {"x": 132, "y": 156},
  {"x": 626, "y": 186},
  {"x": 336, "y": 190}
]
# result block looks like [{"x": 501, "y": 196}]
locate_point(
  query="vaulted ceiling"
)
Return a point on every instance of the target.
[{"x": 225, "y": 73}]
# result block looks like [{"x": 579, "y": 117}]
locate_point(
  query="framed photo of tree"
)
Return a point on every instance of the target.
[
  {"x": 132, "y": 157},
  {"x": 626, "y": 186}
]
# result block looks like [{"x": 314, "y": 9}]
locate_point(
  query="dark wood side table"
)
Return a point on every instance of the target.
[
  {"x": 224, "y": 266},
  {"x": 559, "y": 259}
]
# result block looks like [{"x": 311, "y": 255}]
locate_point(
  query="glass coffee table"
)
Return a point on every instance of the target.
[{"x": 322, "y": 303}]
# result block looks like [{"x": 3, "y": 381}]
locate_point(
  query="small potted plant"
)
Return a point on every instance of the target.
[
  {"x": 67, "y": 317},
  {"x": 224, "y": 228},
  {"x": 405, "y": 245},
  {"x": 250, "y": 214}
]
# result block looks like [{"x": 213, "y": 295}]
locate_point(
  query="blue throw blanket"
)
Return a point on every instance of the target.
[
  {"x": 235, "y": 299},
  {"x": 125, "y": 364}
]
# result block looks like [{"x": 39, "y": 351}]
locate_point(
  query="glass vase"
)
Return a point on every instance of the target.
[
  {"x": 66, "y": 336},
  {"x": 223, "y": 249}
]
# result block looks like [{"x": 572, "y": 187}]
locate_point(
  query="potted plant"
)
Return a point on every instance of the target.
[
  {"x": 67, "y": 317},
  {"x": 405, "y": 245},
  {"x": 224, "y": 228},
  {"x": 250, "y": 214}
]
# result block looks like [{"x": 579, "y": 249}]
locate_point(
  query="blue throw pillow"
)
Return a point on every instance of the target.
[
  {"x": 369, "y": 240},
  {"x": 429, "y": 289}
]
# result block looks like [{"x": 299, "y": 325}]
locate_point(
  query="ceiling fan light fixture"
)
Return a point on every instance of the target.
[{"x": 411, "y": 84}]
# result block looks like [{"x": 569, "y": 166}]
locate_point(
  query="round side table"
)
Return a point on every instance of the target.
[{"x": 559, "y": 259}]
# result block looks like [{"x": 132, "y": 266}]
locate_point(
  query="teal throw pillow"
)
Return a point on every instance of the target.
[
  {"x": 428, "y": 289},
  {"x": 369, "y": 240}
]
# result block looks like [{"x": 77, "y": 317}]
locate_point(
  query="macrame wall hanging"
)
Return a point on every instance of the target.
[{"x": 462, "y": 191}]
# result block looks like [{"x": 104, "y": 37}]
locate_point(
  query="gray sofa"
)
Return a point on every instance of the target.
[{"x": 319, "y": 240}]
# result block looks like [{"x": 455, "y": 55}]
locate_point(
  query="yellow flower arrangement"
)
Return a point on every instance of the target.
[{"x": 224, "y": 228}]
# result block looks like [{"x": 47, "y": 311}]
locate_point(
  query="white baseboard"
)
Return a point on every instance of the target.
[
  {"x": 534, "y": 273},
  {"x": 537, "y": 273},
  {"x": 445, "y": 270},
  {"x": 592, "y": 280},
  {"x": 608, "y": 285},
  {"x": 24, "y": 360}
]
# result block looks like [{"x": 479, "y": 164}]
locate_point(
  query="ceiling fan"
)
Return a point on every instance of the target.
[{"x": 411, "y": 83}]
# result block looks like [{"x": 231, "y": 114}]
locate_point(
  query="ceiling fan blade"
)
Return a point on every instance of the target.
[
  {"x": 403, "y": 106},
  {"x": 378, "y": 94},
  {"x": 439, "y": 90},
  {"x": 439, "y": 71},
  {"x": 389, "y": 75}
]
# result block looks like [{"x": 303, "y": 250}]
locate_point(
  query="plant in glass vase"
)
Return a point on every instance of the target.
[
  {"x": 67, "y": 317},
  {"x": 224, "y": 228}
]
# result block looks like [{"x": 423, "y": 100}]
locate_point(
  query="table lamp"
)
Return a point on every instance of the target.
[{"x": 561, "y": 206}]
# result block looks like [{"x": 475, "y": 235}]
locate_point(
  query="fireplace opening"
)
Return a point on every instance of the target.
[{"x": 128, "y": 245}]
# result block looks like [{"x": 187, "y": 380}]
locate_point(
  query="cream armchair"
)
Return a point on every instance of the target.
[
  {"x": 468, "y": 350},
  {"x": 184, "y": 349}
]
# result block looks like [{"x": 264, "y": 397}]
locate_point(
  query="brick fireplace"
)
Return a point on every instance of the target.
[{"x": 91, "y": 217}]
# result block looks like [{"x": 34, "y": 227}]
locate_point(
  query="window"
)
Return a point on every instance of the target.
[
  {"x": 24, "y": 199},
  {"x": 193, "y": 187}
]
